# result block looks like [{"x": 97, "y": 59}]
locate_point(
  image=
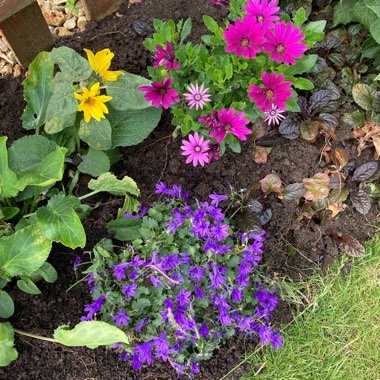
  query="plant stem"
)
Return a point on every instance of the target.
[
  {"x": 20, "y": 332},
  {"x": 88, "y": 195}
]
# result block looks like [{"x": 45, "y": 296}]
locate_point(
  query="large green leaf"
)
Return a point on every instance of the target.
[
  {"x": 97, "y": 134},
  {"x": 108, "y": 182},
  {"x": 36, "y": 90},
  {"x": 62, "y": 108},
  {"x": 363, "y": 95},
  {"x": 8, "y": 178},
  {"x": 91, "y": 334},
  {"x": 125, "y": 93},
  {"x": 73, "y": 66},
  {"x": 132, "y": 127},
  {"x": 7, "y": 351},
  {"x": 7, "y": 306},
  {"x": 24, "y": 251},
  {"x": 125, "y": 229},
  {"x": 303, "y": 65},
  {"x": 95, "y": 163},
  {"x": 59, "y": 222}
]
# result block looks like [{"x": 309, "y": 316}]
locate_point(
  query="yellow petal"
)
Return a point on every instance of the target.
[
  {"x": 91, "y": 58},
  {"x": 87, "y": 116},
  {"x": 103, "y": 98},
  {"x": 102, "y": 107},
  {"x": 103, "y": 60},
  {"x": 78, "y": 96},
  {"x": 111, "y": 76},
  {"x": 94, "y": 91}
]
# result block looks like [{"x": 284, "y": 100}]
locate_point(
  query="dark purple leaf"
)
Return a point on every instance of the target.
[
  {"x": 255, "y": 206},
  {"x": 265, "y": 216},
  {"x": 320, "y": 65},
  {"x": 349, "y": 167},
  {"x": 349, "y": 245},
  {"x": 361, "y": 201},
  {"x": 289, "y": 128},
  {"x": 294, "y": 191},
  {"x": 318, "y": 100},
  {"x": 329, "y": 85},
  {"x": 365, "y": 171},
  {"x": 328, "y": 119},
  {"x": 302, "y": 103},
  {"x": 142, "y": 28}
]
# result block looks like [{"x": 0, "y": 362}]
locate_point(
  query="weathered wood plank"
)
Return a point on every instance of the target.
[
  {"x": 27, "y": 33},
  {"x": 9, "y": 7},
  {"x": 98, "y": 9}
]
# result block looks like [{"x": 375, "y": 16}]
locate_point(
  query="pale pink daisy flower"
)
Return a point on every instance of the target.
[
  {"x": 284, "y": 43},
  {"x": 244, "y": 38},
  {"x": 197, "y": 149},
  {"x": 263, "y": 12},
  {"x": 198, "y": 96},
  {"x": 275, "y": 91},
  {"x": 274, "y": 116}
]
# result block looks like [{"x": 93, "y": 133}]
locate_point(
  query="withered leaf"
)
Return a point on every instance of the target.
[
  {"x": 318, "y": 187},
  {"x": 260, "y": 154},
  {"x": 271, "y": 183},
  {"x": 342, "y": 157},
  {"x": 370, "y": 132}
]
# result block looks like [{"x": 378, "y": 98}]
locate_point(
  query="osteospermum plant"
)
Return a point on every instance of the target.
[
  {"x": 86, "y": 106},
  {"x": 250, "y": 66},
  {"x": 184, "y": 282}
]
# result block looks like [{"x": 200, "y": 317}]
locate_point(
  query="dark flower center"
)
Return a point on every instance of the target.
[
  {"x": 163, "y": 91},
  {"x": 269, "y": 94},
  {"x": 227, "y": 127},
  {"x": 280, "y": 48},
  {"x": 89, "y": 101},
  {"x": 244, "y": 42},
  {"x": 260, "y": 18},
  {"x": 197, "y": 148},
  {"x": 197, "y": 97}
]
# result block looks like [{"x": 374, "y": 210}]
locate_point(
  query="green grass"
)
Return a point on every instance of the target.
[{"x": 337, "y": 336}]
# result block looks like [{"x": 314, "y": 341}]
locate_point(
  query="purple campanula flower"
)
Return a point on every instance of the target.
[
  {"x": 199, "y": 215},
  {"x": 185, "y": 258},
  {"x": 175, "y": 192},
  {"x": 141, "y": 212},
  {"x": 217, "y": 280},
  {"x": 183, "y": 297},
  {"x": 119, "y": 271},
  {"x": 196, "y": 273},
  {"x": 136, "y": 362},
  {"x": 203, "y": 330},
  {"x": 245, "y": 268},
  {"x": 199, "y": 293},
  {"x": 162, "y": 347},
  {"x": 201, "y": 229},
  {"x": 237, "y": 295},
  {"x": 219, "y": 302},
  {"x": 121, "y": 318},
  {"x": 215, "y": 213},
  {"x": 176, "y": 277},
  {"x": 172, "y": 226},
  {"x": 224, "y": 318},
  {"x": 124, "y": 356},
  {"x": 170, "y": 262},
  {"x": 242, "y": 280},
  {"x": 277, "y": 340},
  {"x": 94, "y": 307},
  {"x": 76, "y": 262},
  {"x": 168, "y": 303},
  {"x": 179, "y": 315},
  {"x": 155, "y": 281},
  {"x": 144, "y": 352},
  {"x": 267, "y": 300},
  {"x": 194, "y": 368},
  {"x": 142, "y": 323},
  {"x": 136, "y": 262},
  {"x": 251, "y": 259},
  {"x": 180, "y": 334},
  {"x": 178, "y": 367},
  {"x": 162, "y": 189},
  {"x": 220, "y": 232},
  {"x": 217, "y": 198},
  {"x": 129, "y": 290}
]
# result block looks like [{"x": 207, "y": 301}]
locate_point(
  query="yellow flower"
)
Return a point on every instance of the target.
[
  {"x": 101, "y": 62},
  {"x": 92, "y": 104}
]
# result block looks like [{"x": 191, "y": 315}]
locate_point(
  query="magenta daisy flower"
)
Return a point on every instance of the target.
[
  {"x": 160, "y": 93},
  {"x": 283, "y": 43},
  {"x": 244, "y": 38},
  {"x": 165, "y": 57},
  {"x": 262, "y": 12},
  {"x": 198, "y": 96},
  {"x": 196, "y": 148},
  {"x": 274, "y": 116},
  {"x": 229, "y": 123},
  {"x": 275, "y": 91}
]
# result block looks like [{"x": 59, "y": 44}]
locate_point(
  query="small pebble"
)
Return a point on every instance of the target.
[{"x": 70, "y": 24}]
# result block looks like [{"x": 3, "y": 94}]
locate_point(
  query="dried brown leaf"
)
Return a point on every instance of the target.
[
  {"x": 366, "y": 135},
  {"x": 318, "y": 187},
  {"x": 271, "y": 183}
]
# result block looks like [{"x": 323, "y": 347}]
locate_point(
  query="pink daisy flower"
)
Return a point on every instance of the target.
[
  {"x": 275, "y": 91},
  {"x": 274, "y": 116},
  {"x": 263, "y": 12},
  {"x": 244, "y": 38},
  {"x": 197, "y": 149},
  {"x": 229, "y": 123},
  {"x": 197, "y": 96},
  {"x": 165, "y": 57},
  {"x": 283, "y": 43},
  {"x": 160, "y": 93}
]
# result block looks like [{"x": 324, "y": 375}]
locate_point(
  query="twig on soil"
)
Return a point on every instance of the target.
[{"x": 104, "y": 34}]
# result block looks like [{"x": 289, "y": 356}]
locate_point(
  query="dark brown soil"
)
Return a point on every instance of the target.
[{"x": 292, "y": 247}]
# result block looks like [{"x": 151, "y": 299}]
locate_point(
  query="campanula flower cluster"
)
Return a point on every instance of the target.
[
  {"x": 186, "y": 283},
  {"x": 216, "y": 90}
]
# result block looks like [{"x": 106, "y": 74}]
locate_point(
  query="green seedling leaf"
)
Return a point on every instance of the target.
[
  {"x": 125, "y": 229},
  {"x": 73, "y": 66},
  {"x": 7, "y": 307},
  {"x": 365, "y": 171},
  {"x": 95, "y": 163},
  {"x": 211, "y": 24},
  {"x": 126, "y": 94},
  {"x": 271, "y": 183},
  {"x": 91, "y": 334},
  {"x": 97, "y": 134},
  {"x": 62, "y": 109},
  {"x": 28, "y": 286},
  {"x": 7, "y": 351},
  {"x": 8, "y": 178},
  {"x": 302, "y": 84},
  {"x": 186, "y": 30},
  {"x": 24, "y": 251},
  {"x": 132, "y": 127},
  {"x": 300, "y": 17},
  {"x": 318, "y": 187},
  {"x": 108, "y": 182},
  {"x": 59, "y": 222},
  {"x": 47, "y": 272},
  {"x": 36, "y": 90},
  {"x": 363, "y": 96}
]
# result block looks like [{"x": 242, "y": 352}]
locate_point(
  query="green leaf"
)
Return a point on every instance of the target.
[
  {"x": 186, "y": 30},
  {"x": 8, "y": 212},
  {"x": 132, "y": 127},
  {"x": 36, "y": 90},
  {"x": 47, "y": 272},
  {"x": 355, "y": 119},
  {"x": 95, "y": 163},
  {"x": 363, "y": 95},
  {"x": 8, "y": 178},
  {"x": 316, "y": 26},
  {"x": 59, "y": 222},
  {"x": 291, "y": 104},
  {"x": 375, "y": 29},
  {"x": 62, "y": 109},
  {"x": 91, "y": 334},
  {"x": 131, "y": 204},
  {"x": 7, "y": 351},
  {"x": 125, "y": 93},
  {"x": 97, "y": 134},
  {"x": 211, "y": 24},
  {"x": 302, "y": 83},
  {"x": 24, "y": 251},
  {"x": 73, "y": 66},
  {"x": 125, "y": 229},
  {"x": 28, "y": 286},
  {"x": 303, "y": 65},
  {"x": 7, "y": 307},
  {"x": 108, "y": 182},
  {"x": 300, "y": 17},
  {"x": 343, "y": 12}
]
